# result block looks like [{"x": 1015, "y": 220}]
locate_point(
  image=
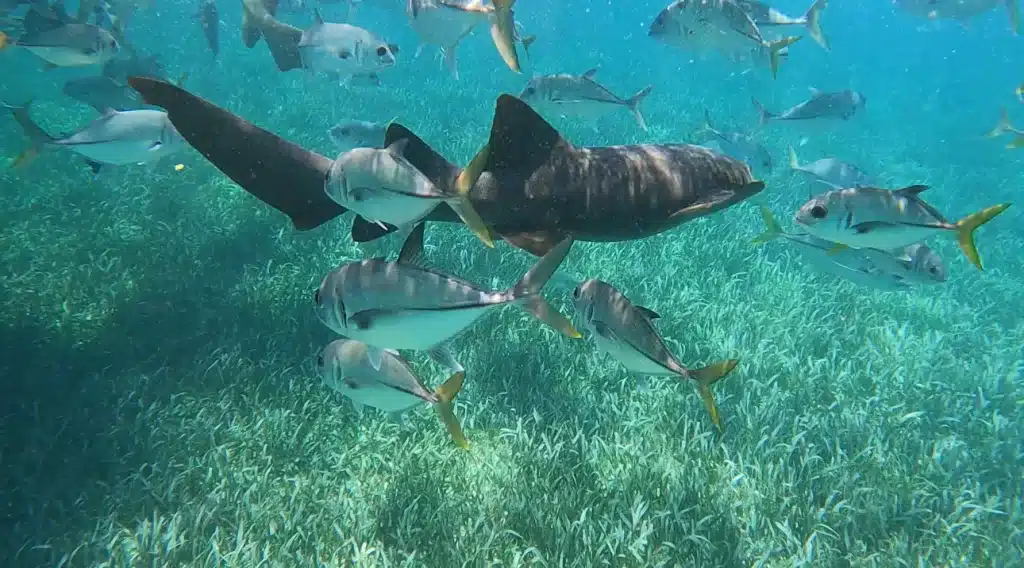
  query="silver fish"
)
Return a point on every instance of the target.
[
  {"x": 960, "y": 10},
  {"x": 885, "y": 270},
  {"x": 350, "y": 134},
  {"x": 343, "y": 49},
  {"x": 579, "y": 96},
  {"x": 739, "y": 145},
  {"x": 444, "y": 23},
  {"x": 830, "y": 171},
  {"x": 402, "y": 305},
  {"x": 868, "y": 217},
  {"x": 382, "y": 186},
  {"x": 68, "y": 44},
  {"x": 766, "y": 16},
  {"x": 840, "y": 105},
  {"x": 625, "y": 331},
  {"x": 719, "y": 26},
  {"x": 344, "y": 365},
  {"x": 115, "y": 138}
]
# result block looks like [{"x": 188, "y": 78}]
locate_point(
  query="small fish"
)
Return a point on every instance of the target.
[
  {"x": 381, "y": 185},
  {"x": 66, "y": 44},
  {"x": 720, "y": 26},
  {"x": 209, "y": 21},
  {"x": 739, "y": 145},
  {"x": 350, "y": 134},
  {"x": 115, "y": 138},
  {"x": 868, "y": 217},
  {"x": 1004, "y": 126},
  {"x": 880, "y": 269},
  {"x": 841, "y": 105},
  {"x": 580, "y": 96},
  {"x": 444, "y": 23},
  {"x": 766, "y": 16},
  {"x": 960, "y": 10},
  {"x": 102, "y": 93},
  {"x": 625, "y": 331},
  {"x": 830, "y": 171},
  {"x": 403, "y": 305},
  {"x": 344, "y": 365}
]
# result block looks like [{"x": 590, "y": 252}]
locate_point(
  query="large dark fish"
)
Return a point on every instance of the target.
[
  {"x": 531, "y": 186},
  {"x": 210, "y": 22}
]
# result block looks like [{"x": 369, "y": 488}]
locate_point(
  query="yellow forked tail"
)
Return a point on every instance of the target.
[
  {"x": 775, "y": 51},
  {"x": 965, "y": 230},
  {"x": 708, "y": 376},
  {"x": 446, "y": 394},
  {"x": 772, "y": 229}
]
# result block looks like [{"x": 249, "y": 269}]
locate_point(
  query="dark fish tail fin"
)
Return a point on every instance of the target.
[
  {"x": 527, "y": 290},
  {"x": 708, "y": 376},
  {"x": 446, "y": 394},
  {"x": 37, "y": 137},
  {"x": 503, "y": 33},
  {"x": 277, "y": 172},
  {"x": 633, "y": 104},
  {"x": 772, "y": 229},
  {"x": 282, "y": 39},
  {"x": 965, "y": 230},
  {"x": 812, "y": 21},
  {"x": 763, "y": 115}
]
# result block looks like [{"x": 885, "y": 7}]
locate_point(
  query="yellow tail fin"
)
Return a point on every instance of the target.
[
  {"x": 446, "y": 393},
  {"x": 708, "y": 376},
  {"x": 772, "y": 228},
  {"x": 1002, "y": 126},
  {"x": 1017, "y": 142},
  {"x": 775, "y": 51},
  {"x": 503, "y": 33},
  {"x": 965, "y": 230}
]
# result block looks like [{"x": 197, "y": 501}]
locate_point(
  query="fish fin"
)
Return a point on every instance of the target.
[
  {"x": 537, "y": 243},
  {"x": 775, "y": 50},
  {"x": 156, "y": 146},
  {"x": 812, "y": 21},
  {"x": 37, "y": 137},
  {"x": 397, "y": 148},
  {"x": 965, "y": 230},
  {"x": 794, "y": 162},
  {"x": 589, "y": 73},
  {"x": 527, "y": 42},
  {"x": 283, "y": 175},
  {"x": 503, "y": 33},
  {"x": 604, "y": 331},
  {"x": 375, "y": 356},
  {"x": 633, "y": 104},
  {"x": 463, "y": 207},
  {"x": 282, "y": 39},
  {"x": 412, "y": 249},
  {"x": 318, "y": 20},
  {"x": 438, "y": 170},
  {"x": 471, "y": 173},
  {"x": 772, "y": 227},
  {"x": 5, "y": 40},
  {"x": 450, "y": 61},
  {"x": 763, "y": 115},
  {"x": 527, "y": 290},
  {"x": 911, "y": 191},
  {"x": 443, "y": 356},
  {"x": 96, "y": 167},
  {"x": 716, "y": 202},
  {"x": 1017, "y": 142},
  {"x": 446, "y": 394},
  {"x": 364, "y": 231},
  {"x": 651, "y": 314},
  {"x": 708, "y": 376},
  {"x": 836, "y": 249},
  {"x": 520, "y": 140},
  {"x": 1002, "y": 126}
]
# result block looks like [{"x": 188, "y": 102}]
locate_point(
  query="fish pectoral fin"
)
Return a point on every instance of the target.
[
  {"x": 375, "y": 355},
  {"x": 96, "y": 167},
  {"x": 870, "y": 226},
  {"x": 446, "y": 394},
  {"x": 604, "y": 331},
  {"x": 364, "y": 231},
  {"x": 444, "y": 357},
  {"x": 651, "y": 314}
]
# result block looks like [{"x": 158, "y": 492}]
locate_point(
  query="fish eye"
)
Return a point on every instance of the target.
[
  {"x": 345, "y": 131},
  {"x": 819, "y": 212},
  {"x": 344, "y": 54},
  {"x": 933, "y": 270},
  {"x": 320, "y": 361},
  {"x": 382, "y": 51},
  {"x": 316, "y": 297},
  {"x": 576, "y": 293}
]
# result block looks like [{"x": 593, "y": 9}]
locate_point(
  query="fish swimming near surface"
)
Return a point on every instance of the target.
[
  {"x": 349, "y": 134},
  {"x": 102, "y": 93},
  {"x": 868, "y": 217},
  {"x": 830, "y": 171},
  {"x": 627, "y": 333},
  {"x": 531, "y": 186},
  {"x": 740, "y": 145},
  {"x": 720, "y": 26},
  {"x": 1004, "y": 126},
  {"x": 380, "y": 185},
  {"x": 115, "y": 138},
  {"x": 960, "y": 10},
  {"x": 209, "y": 21},
  {"x": 404, "y": 305},
  {"x": 901, "y": 270},
  {"x": 580, "y": 96},
  {"x": 344, "y": 365},
  {"x": 766, "y": 16},
  {"x": 444, "y": 23},
  {"x": 65, "y": 43},
  {"x": 339, "y": 50},
  {"x": 839, "y": 105}
]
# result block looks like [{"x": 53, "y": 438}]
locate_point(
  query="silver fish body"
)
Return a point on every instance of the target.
[
  {"x": 766, "y": 16},
  {"x": 125, "y": 137},
  {"x": 740, "y": 145},
  {"x": 839, "y": 105},
  {"x": 443, "y": 23},
  {"x": 579, "y": 96},
  {"x": 830, "y": 171},
  {"x": 351, "y": 134},
  {"x": 343, "y": 49},
  {"x": 71, "y": 45}
]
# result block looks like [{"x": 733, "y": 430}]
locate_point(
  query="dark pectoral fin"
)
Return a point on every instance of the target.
[
  {"x": 604, "y": 331},
  {"x": 364, "y": 231},
  {"x": 651, "y": 314},
  {"x": 412, "y": 249},
  {"x": 871, "y": 227},
  {"x": 537, "y": 243}
]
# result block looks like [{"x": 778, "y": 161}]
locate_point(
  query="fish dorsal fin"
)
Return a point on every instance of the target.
[
  {"x": 521, "y": 140},
  {"x": 911, "y": 191},
  {"x": 397, "y": 148},
  {"x": 651, "y": 314},
  {"x": 318, "y": 20},
  {"x": 412, "y": 250},
  {"x": 438, "y": 170},
  {"x": 589, "y": 73}
]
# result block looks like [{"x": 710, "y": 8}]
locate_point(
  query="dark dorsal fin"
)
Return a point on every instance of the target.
[
  {"x": 412, "y": 250},
  {"x": 520, "y": 139},
  {"x": 431, "y": 164},
  {"x": 283, "y": 175},
  {"x": 911, "y": 190},
  {"x": 651, "y": 314},
  {"x": 282, "y": 39}
]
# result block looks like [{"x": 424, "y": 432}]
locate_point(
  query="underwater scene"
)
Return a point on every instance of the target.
[{"x": 446, "y": 283}]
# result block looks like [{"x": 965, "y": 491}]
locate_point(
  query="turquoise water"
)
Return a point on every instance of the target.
[{"x": 160, "y": 405}]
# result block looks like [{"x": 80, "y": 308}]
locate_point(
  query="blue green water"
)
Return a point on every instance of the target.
[{"x": 159, "y": 402}]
